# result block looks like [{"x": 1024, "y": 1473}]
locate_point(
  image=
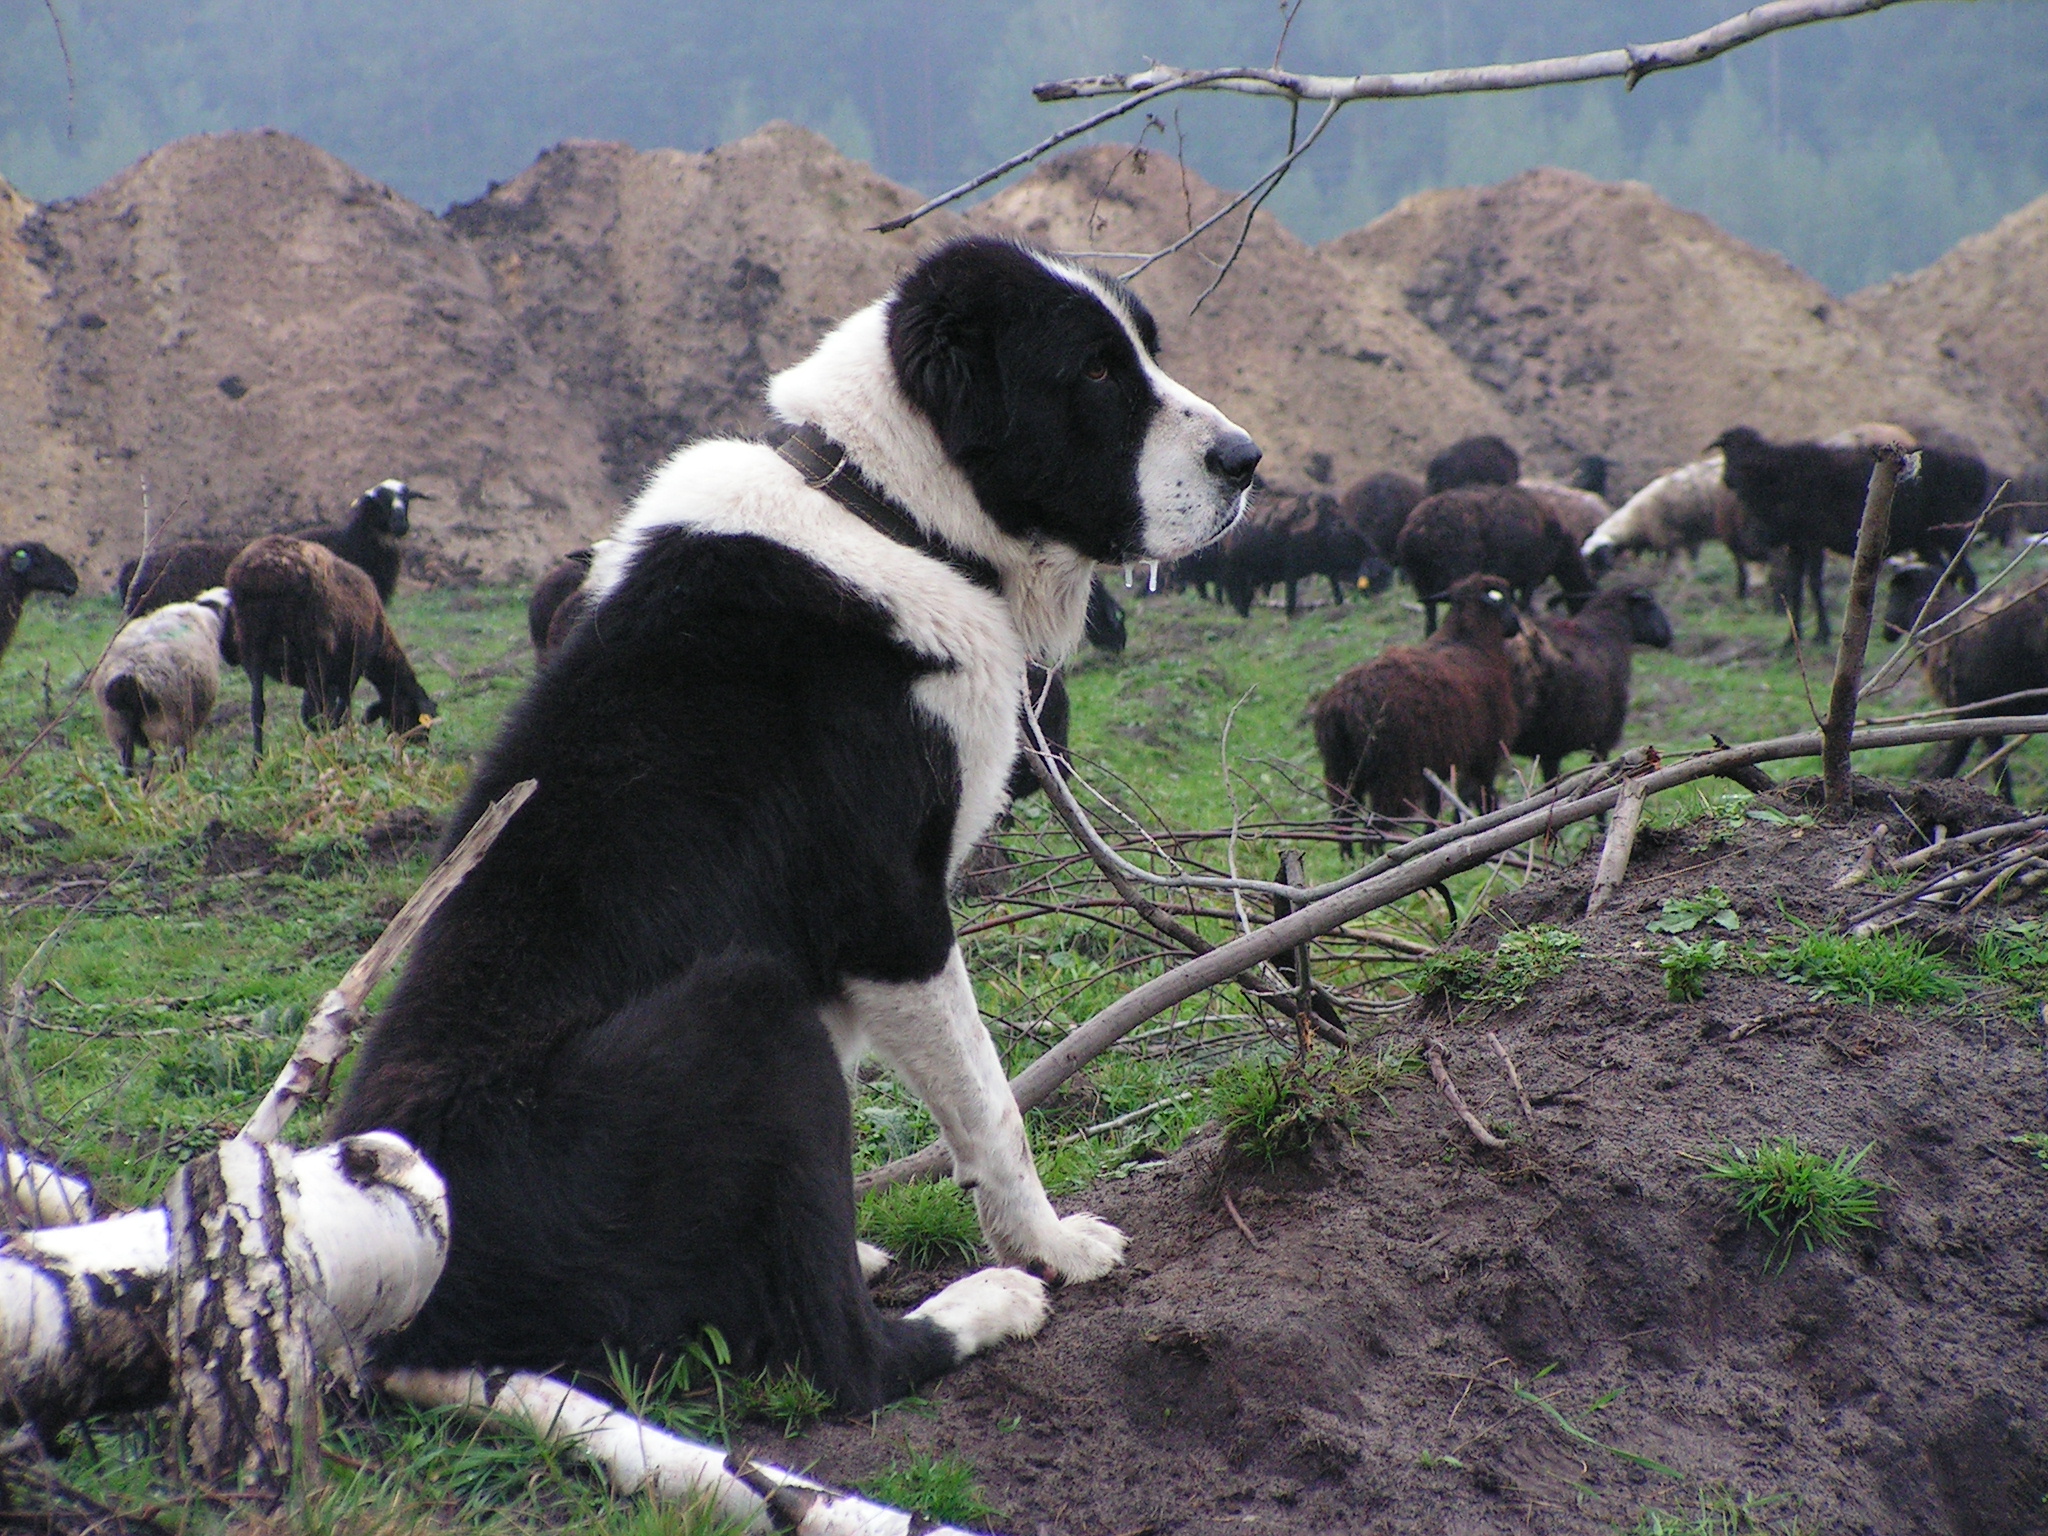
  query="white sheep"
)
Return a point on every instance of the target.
[
  {"x": 1681, "y": 509},
  {"x": 157, "y": 683}
]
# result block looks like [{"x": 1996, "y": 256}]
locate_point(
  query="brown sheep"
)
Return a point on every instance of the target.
[
  {"x": 557, "y": 602},
  {"x": 1572, "y": 675},
  {"x": 313, "y": 620},
  {"x": 1500, "y": 530},
  {"x": 176, "y": 573},
  {"x": 1446, "y": 706},
  {"x": 1481, "y": 460}
]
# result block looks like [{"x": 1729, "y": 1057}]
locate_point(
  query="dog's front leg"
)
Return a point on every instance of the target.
[{"x": 931, "y": 1035}]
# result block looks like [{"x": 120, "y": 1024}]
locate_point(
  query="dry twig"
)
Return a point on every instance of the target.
[{"x": 1452, "y": 1097}]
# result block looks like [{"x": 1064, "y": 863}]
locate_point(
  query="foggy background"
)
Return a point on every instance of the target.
[{"x": 1857, "y": 148}]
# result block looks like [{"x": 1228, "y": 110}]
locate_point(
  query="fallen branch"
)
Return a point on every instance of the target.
[
  {"x": 328, "y": 1034},
  {"x": 1431, "y": 862},
  {"x": 636, "y": 1457},
  {"x": 1907, "y": 863},
  {"x": 1514, "y": 1081},
  {"x": 1452, "y": 1097},
  {"x": 33, "y": 1194}
]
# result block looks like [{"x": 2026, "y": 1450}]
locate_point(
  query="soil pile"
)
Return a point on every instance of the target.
[
  {"x": 664, "y": 287},
  {"x": 261, "y": 332},
  {"x": 1374, "y": 1361},
  {"x": 1308, "y": 363},
  {"x": 1979, "y": 318},
  {"x": 1607, "y": 321}
]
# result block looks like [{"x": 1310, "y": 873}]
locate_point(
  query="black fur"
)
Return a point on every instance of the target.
[
  {"x": 369, "y": 540},
  {"x": 1105, "y": 627},
  {"x": 175, "y": 574},
  {"x": 545, "y": 1046},
  {"x": 25, "y": 568},
  {"x": 556, "y": 603},
  {"x": 1481, "y": 460}
]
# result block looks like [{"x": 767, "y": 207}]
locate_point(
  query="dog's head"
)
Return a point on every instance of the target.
[{"x": 1042, "y": 383}]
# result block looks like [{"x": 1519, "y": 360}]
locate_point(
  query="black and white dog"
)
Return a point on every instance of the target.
[{"x": 762, "y": 751}]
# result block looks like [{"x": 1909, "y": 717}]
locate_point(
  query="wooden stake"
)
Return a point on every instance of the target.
[
  {"x": 1873, "y": 539},
  {"x": 1621, "y": 842}
]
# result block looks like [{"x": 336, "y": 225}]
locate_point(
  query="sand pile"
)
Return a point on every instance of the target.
[
  {"x": 261, "y": 332},
  {"x": 1606, "y": 321},
  {"x": 1978, "y": 318},
  {"x": 1305, "y": 361},
  {"x": 665, "y": 287}
]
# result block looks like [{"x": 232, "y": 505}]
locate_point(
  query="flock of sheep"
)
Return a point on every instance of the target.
[
  {"x": 1417, "y": 721},
  {"x": 1395, "y": 734}
]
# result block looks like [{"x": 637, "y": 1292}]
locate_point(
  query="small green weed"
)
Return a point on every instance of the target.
[
  {"x": 2016, "y": 955},
  {"x": 924, "y": 1225},
  {"x": 1775, "y": 818},
  {"x": 1682, "y": 914},
  {"x": 1798, "y": 1195},
  {"x": 1720, "y": 1513},
  {"x": 1686, "y": 963},
  {"x": 2035, "y": 1142},
  {"x": 790, "y": 1400},
  {"x": 1274, "y": 1110},
  {"x": 1882, "y": 968},
  {"x": 940, "y": 1488},
  {"x": 1519, "y": 962}
]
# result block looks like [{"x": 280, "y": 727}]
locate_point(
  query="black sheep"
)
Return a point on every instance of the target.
[
  {"x": 1807, "y": 498},
  {"x": 1377, "y": 507},
  {"x": 312, "y": 620},
  {"x": 1105, "y": 626},
  {"x": 27, "y": 568},
  {"x": 1446, "y": 706},
  {"x": 1501, "y": 530},
  {"x": 557, "y": 600},
  {"x": 1998, "y": 648},
  {"x": 177, "y": 573},
  {"x": 1482, "y": 460},
  {"x": 1289, "y": 540},
  {"x": 1572, "y": 675},
  {"x": 380, "y": 517}
]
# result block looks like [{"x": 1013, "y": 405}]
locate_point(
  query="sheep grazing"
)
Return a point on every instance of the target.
[
  {"x": 1501, "y": 530},
  {"x": 1377, "y": 507},
  {"x": 1446, "y": 706},
  {"x": 1572, "y": 675},
  {"x": 1998, "y": 648},
  {"x": 1577, "y": 511},
  {"x": 1105, "y": 624},
  {"x": 30, "y": 568},
  {"x": 557, "y": 600},
  {"x": 312, "y": 620},
  {"x": 177, "y": 573},
  {"x": 1591, "y": 474},
  {"x": 1288, "y": 540},
  {"x": 1679, "y": 510},
  {"x": 1482, "y": 460},
  {"x": 380, "y": 517},
  {"x": 1808, "y": 498},
  {"x": 160, "y": 676}
]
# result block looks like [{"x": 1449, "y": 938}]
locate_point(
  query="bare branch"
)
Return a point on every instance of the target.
[{"x": 1631, "y": 63}]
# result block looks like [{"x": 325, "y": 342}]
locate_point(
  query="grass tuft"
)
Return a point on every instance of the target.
[
  {"x": 926, "y": 1226},
  {"x": 1797, "y": 1195},
  {"x": 1520, "y": 962},
  {"x": 1882, "y": 968},
  {"x": 1686, "y": 963},
  {"x": 940, "y": 1488},
  {"x": 1272, "y": 1111},
  {"x": 1720, "y": 1513}
]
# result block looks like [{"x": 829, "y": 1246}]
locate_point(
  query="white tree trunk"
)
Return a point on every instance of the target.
[
  {"x": 282, "y": 1260},
  {"x": 34, "y": 1194}
]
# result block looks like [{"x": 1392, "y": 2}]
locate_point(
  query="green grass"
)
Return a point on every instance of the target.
[
  {"x": 1882, "y": 968},
  {"x": 1686, "y": 964},
  {"x": 1682, "y": 914},
  {"x": 1721, "y": 1513},
  {"x": 1272, "y": 1111},
  {"x": 925, "y": 1226},
  {"x": 1521, "y": 961},
  {"x": 940, "y": 1488},
  {"x": 1798, "y": 1196}
]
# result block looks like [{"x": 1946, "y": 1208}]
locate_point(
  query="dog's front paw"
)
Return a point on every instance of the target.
[
  {"x": 986, "y": 1308},
  {"x": 873, "y": 1260},
  {"x": 1084, "y": 1247}
]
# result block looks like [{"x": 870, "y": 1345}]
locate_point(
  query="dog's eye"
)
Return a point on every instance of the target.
[{"x": 1096, "y": 371}]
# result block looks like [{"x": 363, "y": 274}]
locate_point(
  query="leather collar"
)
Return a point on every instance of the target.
[{"x": 825, "y": 466}]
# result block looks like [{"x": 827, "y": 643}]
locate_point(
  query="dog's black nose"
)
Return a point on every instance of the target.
[{"x": 1232, "y": 458}]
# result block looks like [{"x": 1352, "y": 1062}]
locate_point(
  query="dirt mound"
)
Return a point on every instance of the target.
[
  {"x": 261, "y": 332},
  {"x": 1978, "y": 318},
  {"x": 1306, "y": 362},
  {"x": 1607, "y": 321},
  {"x": 665, "y": 287},
  {"x": 1375, "y": 1359}
]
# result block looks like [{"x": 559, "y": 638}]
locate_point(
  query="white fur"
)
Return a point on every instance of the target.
[
  {"x": 1677, "y": 510},
  {"x": 174, "y": 654},
  {"x": 987, "y": 1308},
  {"x": 873, "y": 1260}
]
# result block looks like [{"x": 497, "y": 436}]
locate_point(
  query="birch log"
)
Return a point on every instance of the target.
[
  {"x": 34, "y": 1194},
  {"x": 86, "y": 1311},
  {"x": 637, "y": 1457}
]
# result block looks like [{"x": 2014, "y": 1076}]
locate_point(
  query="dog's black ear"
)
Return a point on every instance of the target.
[{"x": 943, "y": 337}]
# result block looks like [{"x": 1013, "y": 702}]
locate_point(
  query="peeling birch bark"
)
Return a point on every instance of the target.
[
  {"x": 85, "y": 1311},
  {"x": 34, "y": 1194},
  {"x": 637, "y": 1457}
]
